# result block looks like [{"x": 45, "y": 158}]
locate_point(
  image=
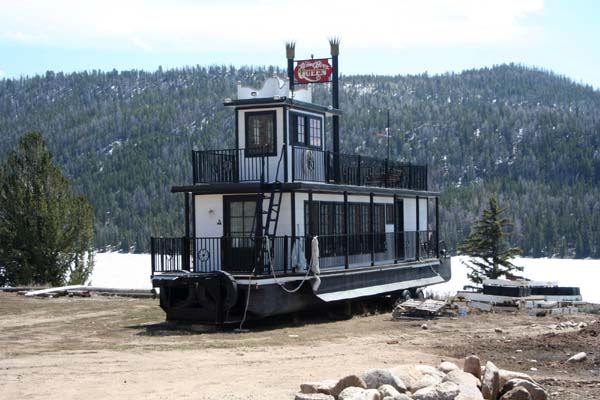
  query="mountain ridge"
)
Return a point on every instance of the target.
[{"x": 529, "y": 136}]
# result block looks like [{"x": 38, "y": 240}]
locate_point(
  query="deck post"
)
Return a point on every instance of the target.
[
  {"x": 396, "y": 241},
  {"x": 285, "y": 146},
  {"x": 193, "y": 205},
  {"x": 285, "y": 254},
  {"x": 187, "y": 214},
  {"x": 437, "y": 228},
  {"x": 358, "y": 175},
  {"x": 346, "y": 230},
  {"x": 418, "y": 247},
  {"x": 372, "y": 227},
  {"x": 152, "y": 255},
  {"x": 311, "y": 216}
]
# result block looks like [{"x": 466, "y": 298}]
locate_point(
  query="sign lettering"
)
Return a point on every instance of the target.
[{"x": 313, "y": 71}]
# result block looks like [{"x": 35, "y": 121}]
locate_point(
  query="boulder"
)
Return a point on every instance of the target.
[
  {"x": 318, "y": 387},
  {"x": 517, "y": 393},
  {"x": 374, "y": 378},
  {"x": 388, "y": 391},
  {"x": 506, "y": 375},
  {"x": 578, "y": 357},
  {"x": 473, "y": 366},
  {"x": 469, "y": 394},
  {"x": 462, "y": 378},
  {"x": 416, "y": 376},
  {"x": 447, "y": 366},
  {"x": 535, "y": 391},
  {"x": 313, "y": 396},
  {"x": 467, "y": 384},
  {"x": 356, "y": 393},
  {"x": 400, "y": 396},
  {"x": 441, "y": 391},
  {"x": 429, "y": 370},
  {"x": 347, "y": 381},
  {"x": 426, "y": 381},
  {"x": 490, "y": 384}
]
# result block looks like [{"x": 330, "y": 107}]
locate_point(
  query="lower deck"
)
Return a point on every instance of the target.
[{"x": 221, "y": 298}]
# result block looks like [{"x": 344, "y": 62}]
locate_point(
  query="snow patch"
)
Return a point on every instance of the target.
[{"x": 584, "y": 274}]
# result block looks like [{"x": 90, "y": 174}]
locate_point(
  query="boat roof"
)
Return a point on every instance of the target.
[{"x": 278, "y": 101}]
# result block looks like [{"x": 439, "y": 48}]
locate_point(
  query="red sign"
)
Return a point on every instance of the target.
[{"x": 313, "y": 71}]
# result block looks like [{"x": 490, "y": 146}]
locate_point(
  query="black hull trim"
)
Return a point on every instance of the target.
[{"x": 219, "y": 298}]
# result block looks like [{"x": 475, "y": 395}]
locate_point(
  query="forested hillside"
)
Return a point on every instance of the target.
[{"x": 528, "y": 136}]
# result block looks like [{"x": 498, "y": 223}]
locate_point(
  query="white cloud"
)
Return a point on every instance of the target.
[{"x": 208, "y": 25}]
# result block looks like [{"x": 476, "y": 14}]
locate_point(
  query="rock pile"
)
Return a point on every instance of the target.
[{"x": 422, "y": 382}]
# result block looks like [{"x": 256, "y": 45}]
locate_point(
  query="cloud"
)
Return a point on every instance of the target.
[{"x": 207, "y": 25}]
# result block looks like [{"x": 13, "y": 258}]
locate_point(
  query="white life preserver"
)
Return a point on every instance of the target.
[{"x": 308, "y": 162}]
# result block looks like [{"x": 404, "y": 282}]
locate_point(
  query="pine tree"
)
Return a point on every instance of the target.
[
  {"x": 46, "y": 231},
  {"x": 488, "y": 248}
]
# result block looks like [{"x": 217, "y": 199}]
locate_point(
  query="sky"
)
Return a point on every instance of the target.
[{"x": 377, "y": 37}]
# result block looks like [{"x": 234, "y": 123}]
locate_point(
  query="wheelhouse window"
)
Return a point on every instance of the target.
[
  {"x": 306, "y": 130},
  {"x": 260, "y": 134}
]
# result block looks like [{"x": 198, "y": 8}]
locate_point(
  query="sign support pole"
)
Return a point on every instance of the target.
[{"x": 335, "y": 102}]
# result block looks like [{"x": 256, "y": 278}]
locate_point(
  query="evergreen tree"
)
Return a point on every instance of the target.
[
  {"x": 45, "y": 229},
  {"x": 488, "y": 247}
]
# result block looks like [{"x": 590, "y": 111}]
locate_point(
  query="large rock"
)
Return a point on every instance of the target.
[
  {"x": 517, "y": 393},
  {"x": 441, "y": 391},
  {"x": 347, "y": 381},
  {"x": 490, "y": 384},
  {"x": 417, "y": 376},
  {"x": 469, "y": 394},
  {"x": 374, "y": 378},
  {"x": 535, "y": 391},
  {"x": 447, "y": 366},
  {"x": 318, "y": 387},
  {"x": 313, "y": 396},
  {"x": 473, "y": 366},
  {"x": 429, "y": 370},
  {"x": 506, "y": 375},
  {"x": 356, "y": 393},
  {"x": 425, "y": 381},
  {"x": 462, "y": 378},
  {"x": 401, "y": 396},
  {"x": 467, "y": 384},
  {"x": 388, "y": 391}
]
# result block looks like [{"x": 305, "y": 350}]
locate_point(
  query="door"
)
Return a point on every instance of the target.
[
  {"x": 399, "y": 228},
  {"x": 240, "y": 226}
]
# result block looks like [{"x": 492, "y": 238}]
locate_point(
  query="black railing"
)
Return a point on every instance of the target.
[
  {"x": 288, "y": 254},
  {"x": 228, "y": 166},
  {"x": 312, "y": 165},
  {"x": 307, "y": 165}
]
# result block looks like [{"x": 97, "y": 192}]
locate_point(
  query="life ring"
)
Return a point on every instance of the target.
[{"x": 309, "y": 161}]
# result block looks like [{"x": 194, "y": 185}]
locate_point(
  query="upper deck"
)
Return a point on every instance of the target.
[{"x": 280, "y": 137}]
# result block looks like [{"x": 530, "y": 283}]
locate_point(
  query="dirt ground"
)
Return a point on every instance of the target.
[{"x": 120, "y": 348}]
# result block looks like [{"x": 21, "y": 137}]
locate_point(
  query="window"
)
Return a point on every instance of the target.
[
  {"x": 315, "y": 132},
  {"x": 306, "y": 130},
  {"x": 300, "y": 129},
  {"x": 329, "y": 225},
  {"x": 389, "y": 214},
  {"x": 260, "y": 134},
  {"x": 241, "y": 218}
]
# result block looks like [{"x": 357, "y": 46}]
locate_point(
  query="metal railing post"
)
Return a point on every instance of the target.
[
  {"x": 152, "y": 255},
  {"x": 285, "y": 254}
]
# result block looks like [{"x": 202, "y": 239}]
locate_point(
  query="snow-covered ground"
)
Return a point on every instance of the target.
[
  {"x": 132, "y": 271},
  {"x": 118, "y": 270},
  {"x": 567, "y": 272}
]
